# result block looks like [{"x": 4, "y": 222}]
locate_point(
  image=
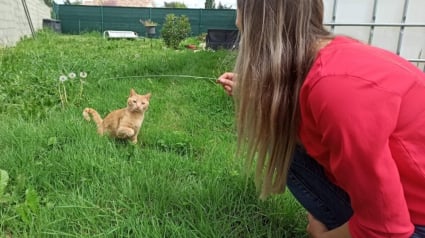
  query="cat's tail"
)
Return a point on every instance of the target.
[{"x": 95, "y": 115}]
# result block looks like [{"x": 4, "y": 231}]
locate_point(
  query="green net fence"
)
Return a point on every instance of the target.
[{"x": 77, "y": 19}]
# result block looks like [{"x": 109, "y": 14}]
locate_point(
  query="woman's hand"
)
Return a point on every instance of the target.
[
  {"x": 226, "y": 81},
  {"x": 316, "y": 229}
]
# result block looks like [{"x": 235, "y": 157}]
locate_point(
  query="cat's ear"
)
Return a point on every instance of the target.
[
  {"x": 148, "y": 96},
  {"x": 132, "y": 92}
]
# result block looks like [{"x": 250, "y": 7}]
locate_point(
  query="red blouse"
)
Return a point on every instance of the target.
[{"x": 363, "y": 120}]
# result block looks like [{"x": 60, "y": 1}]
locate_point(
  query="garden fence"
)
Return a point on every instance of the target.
[
  {"x": 76, "y": 19},
  {"x": 395, "y": 25}
]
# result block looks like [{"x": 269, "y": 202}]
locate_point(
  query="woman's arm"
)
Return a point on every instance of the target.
[{"x": 316, "y": 229}]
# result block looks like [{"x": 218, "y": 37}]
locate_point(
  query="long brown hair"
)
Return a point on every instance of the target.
[{"x": 278, "y": 44}]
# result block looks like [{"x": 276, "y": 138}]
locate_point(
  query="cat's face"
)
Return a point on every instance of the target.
[{"x": 137, "y": 102}]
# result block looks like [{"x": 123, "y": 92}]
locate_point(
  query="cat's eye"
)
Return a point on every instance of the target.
[{"x": 134, "y": 101}]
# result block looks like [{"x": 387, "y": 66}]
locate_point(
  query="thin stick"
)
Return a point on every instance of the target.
[{"x": 166, "y": 75}]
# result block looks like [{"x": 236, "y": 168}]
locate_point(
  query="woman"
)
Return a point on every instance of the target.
[{"x": 341, "y": 123}]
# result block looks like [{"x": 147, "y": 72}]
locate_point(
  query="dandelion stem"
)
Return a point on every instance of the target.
[
  {"x": 81, "y": 89},
  {"x": 60, "y": 95},
  {"x": 64, "y": 93}
]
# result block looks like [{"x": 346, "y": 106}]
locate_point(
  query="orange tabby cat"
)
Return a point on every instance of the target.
[{"x": 123, "y": 123}]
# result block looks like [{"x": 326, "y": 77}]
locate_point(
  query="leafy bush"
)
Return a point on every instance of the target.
[{"x": 175, "y": 30}]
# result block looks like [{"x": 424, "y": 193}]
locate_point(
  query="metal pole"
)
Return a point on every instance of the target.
[
  {"x": 334, "y": 15},
  {"x": 27, "y": 13},
  {"x": 200, "y": 21},
  {"x": 378, "y": 24},
  {"x": 403, "y": 21},
  {"x": 372, "y": 27},
  {"x": 102, "y": 28}
]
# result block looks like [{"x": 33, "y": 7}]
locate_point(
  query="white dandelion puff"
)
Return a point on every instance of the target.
[
  {"x": 72, "y": 75},
  {"x": 83, "y": 75},
  {"x": 63, "y": 78}
]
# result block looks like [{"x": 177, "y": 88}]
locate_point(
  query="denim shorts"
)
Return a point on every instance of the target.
[
  {"x": 419, "y": 232},
  {"x": 327, "y": 202}
]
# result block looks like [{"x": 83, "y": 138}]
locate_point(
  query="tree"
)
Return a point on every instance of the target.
[
  {"x": 48, "y": 2},
  {"x": 65, "y": 2},
  {"x": 70, "y": 2},
  {"x": 223, "y": 6},
  {"x": 175, "y": 30},
  {"x": 209, "y": 4},
  {"x": 174, "y": 5}
]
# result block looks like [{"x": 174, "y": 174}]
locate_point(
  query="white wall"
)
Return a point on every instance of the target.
[
  {"x": 14, "y": 23},
  {"x": 387, "y": 11}
]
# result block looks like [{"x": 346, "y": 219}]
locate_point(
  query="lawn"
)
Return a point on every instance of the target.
[{"x": 58, "y": 178}]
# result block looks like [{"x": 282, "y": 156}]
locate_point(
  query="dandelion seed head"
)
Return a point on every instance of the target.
[
  {"x": 83, "y": 75},
  {"x": 72, "y": 75},
  {"x": 63, "y": 78}
]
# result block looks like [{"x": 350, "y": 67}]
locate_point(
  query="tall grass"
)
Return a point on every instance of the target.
[{"x": 58, "y": 178}]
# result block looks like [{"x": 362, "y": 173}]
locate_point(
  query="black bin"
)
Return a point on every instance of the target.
[
  {"x": 222, "y": 39},
  {"x": 52, "y": 24}
]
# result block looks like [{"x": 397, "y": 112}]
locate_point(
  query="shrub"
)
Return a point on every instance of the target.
[{"x": 175, "y": 30}]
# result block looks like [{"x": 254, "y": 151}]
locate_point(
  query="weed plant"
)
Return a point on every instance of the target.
[{"x": 58, "y": 178}]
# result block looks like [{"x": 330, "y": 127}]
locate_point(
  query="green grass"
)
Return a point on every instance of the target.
[{"x": 58, "y": 178}]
